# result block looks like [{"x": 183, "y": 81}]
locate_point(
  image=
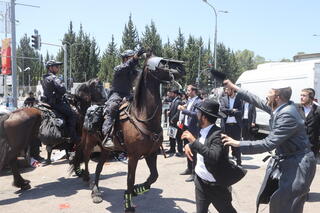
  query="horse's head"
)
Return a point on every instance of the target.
[
  {"x": 165, "y": 70},
  {"x": 92, "y": 91}
]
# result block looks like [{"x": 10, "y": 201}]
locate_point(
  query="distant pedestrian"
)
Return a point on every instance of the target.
[
  {"x": 190, "y": 123},
  {"x": 248, "y": 120},
  {"x": 231, "y": 105}
]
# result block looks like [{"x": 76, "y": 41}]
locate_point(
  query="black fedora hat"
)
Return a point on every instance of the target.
[{"x": 210, "y": 107}]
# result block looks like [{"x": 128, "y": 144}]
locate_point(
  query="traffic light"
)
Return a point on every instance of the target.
[{"x": 36, "y": 40}]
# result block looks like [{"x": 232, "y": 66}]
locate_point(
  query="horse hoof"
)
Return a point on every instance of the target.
[
  {"x": 130, "y": 210},
  {"x": 25, "y": 187},
  {"x": 96, "y": 199}
]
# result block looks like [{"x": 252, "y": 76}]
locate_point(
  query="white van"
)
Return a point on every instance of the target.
[{"x": 298, "y": 75}]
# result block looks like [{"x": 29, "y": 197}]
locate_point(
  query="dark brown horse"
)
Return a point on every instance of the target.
[
  {"x": 138, "y": 130},
  {"x": 26, "y": 122}
]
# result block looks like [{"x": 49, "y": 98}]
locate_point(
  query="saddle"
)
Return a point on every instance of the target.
[{"x": 53, "y": 129}]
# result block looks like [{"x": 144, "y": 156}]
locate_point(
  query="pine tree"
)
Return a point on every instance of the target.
[
  {"x": 151, "y": 39},
  {"x": 108, "y": 61},
  {"x": 168, "y": 50},
  {"x": 130, "y": 37},
  {"x": 179, "y": 46}
]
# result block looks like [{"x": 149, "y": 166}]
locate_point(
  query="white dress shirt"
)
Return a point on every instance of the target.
[
  {"x": 231, "y": 119},
  {"x": 201, "y": 169},
  {"x": 307, "y": 109},
  {"x": 246, "y": 111}
]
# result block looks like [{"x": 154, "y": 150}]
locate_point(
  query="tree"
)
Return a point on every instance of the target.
[
  {"x": 108, "y": 61},
  {"x": 227, "y": 62},
  {"x": 94, "y": 62},
  {"x": 151, "y": 39},
  {"x": 179, "y": 44},
  {"x": 191, "y": 62},
  {"x": 168, "y": 50},
  {"x": 130, "y": 39},
  {"x": 28, "y": 57}
]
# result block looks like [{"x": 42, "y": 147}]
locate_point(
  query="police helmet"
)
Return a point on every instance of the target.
[
  {"x": 127, "y": 53},
  {"x": 53, "y": 63}
]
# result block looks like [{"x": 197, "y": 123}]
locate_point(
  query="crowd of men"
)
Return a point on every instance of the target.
[{"x": 294, "y": 135}]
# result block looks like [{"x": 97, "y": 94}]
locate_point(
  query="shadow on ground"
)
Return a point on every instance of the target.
[
  {"x": 313, "y": 197},
  {"x": 151, "y": 201},
  {"x": 62, "y": 187}
]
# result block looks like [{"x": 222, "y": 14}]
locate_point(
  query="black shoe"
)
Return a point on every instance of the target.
[
  {"x": 39, "y": 158},
  {"x": 170, "y": 151},
  {"x": 179, "y": 154},
  {"x": 190, "y": 178},
  {"x": 186, "y": 172}
]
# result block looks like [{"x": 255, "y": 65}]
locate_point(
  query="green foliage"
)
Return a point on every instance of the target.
[
  {"x": 108, "y": 61},
  {"x": 130, "y": 39},
  {"x": 28, "y": 57},
  {"x": 151, "y": 39}
]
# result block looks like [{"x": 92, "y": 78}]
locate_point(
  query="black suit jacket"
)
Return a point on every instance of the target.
[
  {"x": 312, "y": 123},
  {"x": 224, "y": 107},
  {"x": 174, "y": 112},
  {"x": 252, "y": 114},
  {"x": 216, "y": 159}
]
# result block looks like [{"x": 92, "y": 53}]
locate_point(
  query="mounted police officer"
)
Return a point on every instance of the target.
[
  {"x": 54, "y": 90},
  {"x": 123, "y": 78}
]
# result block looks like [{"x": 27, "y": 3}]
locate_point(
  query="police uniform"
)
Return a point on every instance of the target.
[
  {"x": 124, "y": 75},
  {"x": 54, "y": 90}
]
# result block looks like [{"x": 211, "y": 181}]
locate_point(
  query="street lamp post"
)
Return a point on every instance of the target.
[
  {"x": 71, "y": 45},
  {"x": 215, "y": 31}
]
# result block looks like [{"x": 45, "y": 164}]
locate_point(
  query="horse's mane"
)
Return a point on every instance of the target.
[{"x": 138, "y": 87}]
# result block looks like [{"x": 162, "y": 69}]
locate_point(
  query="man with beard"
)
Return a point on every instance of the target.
[{"x": 292, "y": 168}]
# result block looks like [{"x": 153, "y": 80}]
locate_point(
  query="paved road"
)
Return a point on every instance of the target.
[{"x": 54, "y": 191}]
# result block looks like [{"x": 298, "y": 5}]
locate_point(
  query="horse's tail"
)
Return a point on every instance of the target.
[
  {"x": 76, "y": 161},
  {"x": 4, "y": 146}
]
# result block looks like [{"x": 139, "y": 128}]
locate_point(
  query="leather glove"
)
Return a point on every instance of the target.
[{"x": 140, "y": 51}]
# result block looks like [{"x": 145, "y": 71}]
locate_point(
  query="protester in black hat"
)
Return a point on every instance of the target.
[
  {"x": 212, "y": 177},
  {"x": 123, "y": 78},
  {"x": 54, "y": 91}
]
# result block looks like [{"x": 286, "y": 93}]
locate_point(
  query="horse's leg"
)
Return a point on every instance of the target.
[
  {"x": 152, "y": 164},
  {"x": 132, "y": 166},
  {"x": 49, "y": 152},
  {"x": 18, "y": 180},
  {"x": 96, "y": 194}
]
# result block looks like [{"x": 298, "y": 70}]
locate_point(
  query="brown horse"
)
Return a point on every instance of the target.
[
  {"x": 138, "y": 130},
  {"x": 26, "y": 122}
]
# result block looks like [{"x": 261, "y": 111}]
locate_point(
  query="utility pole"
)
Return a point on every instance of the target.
[
  {"x": 65, "y": 65},
  {"x": 14, "y": 54},
  {"x": 6, "y": 35}
]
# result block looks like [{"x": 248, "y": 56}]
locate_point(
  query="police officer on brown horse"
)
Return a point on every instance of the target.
[
  {"x": 54, "y": 90},
  {"x": 123, "y": 78}
]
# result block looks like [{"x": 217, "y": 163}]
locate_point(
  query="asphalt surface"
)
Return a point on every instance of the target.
[{"x": 54, "y": 190}]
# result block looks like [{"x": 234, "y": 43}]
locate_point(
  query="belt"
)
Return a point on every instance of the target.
[
  {"x": 231, "y": 124},
  {"x": 206, "y": 182}
]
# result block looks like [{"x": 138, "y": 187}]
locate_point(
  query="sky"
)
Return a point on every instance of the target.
[{"x": 273, "y": 29}]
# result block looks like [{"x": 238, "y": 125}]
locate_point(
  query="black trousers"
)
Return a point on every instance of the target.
[
  {"x": 191, "y": 165},
  {"x": 176, "y": 141},
  {"x": 246, "y": 135},
  {"x": 234, "y": 131},
  {"x": 71, "y": 118},
  {"x": 209, "y": 193}
]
